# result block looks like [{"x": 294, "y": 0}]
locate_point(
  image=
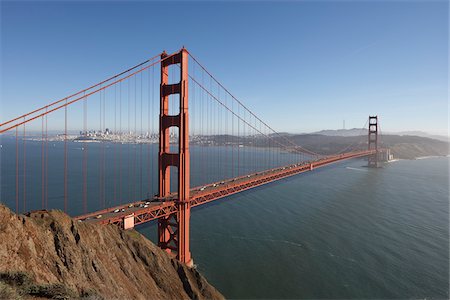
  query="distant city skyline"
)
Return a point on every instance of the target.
[{"x": 301, "y": 66}]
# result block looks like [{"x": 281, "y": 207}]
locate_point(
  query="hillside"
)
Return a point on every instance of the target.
[
  {"x": 49, "y": 255},
  {"x": 360, "y": 131},
  {"x": 402, "y": 146},
  {"x": 342, "y": 132}
]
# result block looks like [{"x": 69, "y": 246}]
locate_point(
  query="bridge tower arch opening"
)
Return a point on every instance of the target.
[
  {"x": 373, "y": 141},
  {"x": 173, "y": 230}
]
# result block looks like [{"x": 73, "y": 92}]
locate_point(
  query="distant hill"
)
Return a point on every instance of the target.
[
  {"x": 422, "y": 134},
  {"x": 341, "y": 132},
  {"x": 405, "y": 147},
  {"x": 360, "y": 131},
  {"x": 402, "y": 146}
]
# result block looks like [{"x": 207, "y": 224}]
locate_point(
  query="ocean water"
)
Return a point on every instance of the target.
[
  {"x": 343, "y": 231},
  {"x": 109, "y": 174}
]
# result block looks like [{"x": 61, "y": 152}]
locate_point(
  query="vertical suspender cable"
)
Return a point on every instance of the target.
[
  {"x": 239, "y": 144},
  {"x": 121, "y": 142},
  {"x": 149, "y": 183},
  {"x": 24, "y": 170},
  {"x": 233, "y": 141},
  {"x": 202, "y": 128},
  {"x": 140, "y": 150},
  {"x": 192, "y": 111},
  {"x": 153, "y": 182},
  {"x": 104, "y": 151},
  {"x": 65, "y": 158},
  {"x": 100, "y": 152},
  {"x": 129, "y": 146},
  {"x": 46, "y": 160},
  {"x": 219, "y": 133},
  {"x": 135, "y": 141},
  {"x": 115, "y": 147},
  {"x": 85, "y": 154},
  {"x": 42, "y": 166},
  {"x": 17, "y": 170}
]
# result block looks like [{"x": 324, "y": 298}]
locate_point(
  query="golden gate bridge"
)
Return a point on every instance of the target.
[{"x": 131, "y": 112}]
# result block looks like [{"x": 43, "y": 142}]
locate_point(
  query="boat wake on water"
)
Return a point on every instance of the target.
[{"x": 356, "y": 169}]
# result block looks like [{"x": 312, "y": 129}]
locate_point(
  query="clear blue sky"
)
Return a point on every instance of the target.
[{"x": 300, "y": 65}]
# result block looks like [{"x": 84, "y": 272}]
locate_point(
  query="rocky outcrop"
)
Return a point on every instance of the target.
[{"x": 47, "y": 254}]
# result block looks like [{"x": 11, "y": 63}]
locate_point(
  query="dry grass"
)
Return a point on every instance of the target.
[{"x": 19, "y": 285}]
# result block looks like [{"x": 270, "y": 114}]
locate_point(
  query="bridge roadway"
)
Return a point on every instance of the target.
[{"x": 152, "y": 209}]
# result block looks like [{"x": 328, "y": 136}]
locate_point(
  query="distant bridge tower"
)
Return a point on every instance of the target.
[
  {"x": 373, "y": 141},
  {"x": 173, "y": 231}
]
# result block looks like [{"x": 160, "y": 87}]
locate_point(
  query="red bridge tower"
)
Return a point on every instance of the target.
[
  {"x": 373, "y": 141},
  {"x": 173, "y": 231}
]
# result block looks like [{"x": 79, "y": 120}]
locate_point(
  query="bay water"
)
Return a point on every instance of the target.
[{"x": 342, "y": 231}]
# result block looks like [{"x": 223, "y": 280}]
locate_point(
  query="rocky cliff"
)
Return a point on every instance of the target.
[{"x": 46, "y": 254}]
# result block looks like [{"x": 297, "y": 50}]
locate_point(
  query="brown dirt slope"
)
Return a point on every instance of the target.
[{"x": 47, "y": 254}]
